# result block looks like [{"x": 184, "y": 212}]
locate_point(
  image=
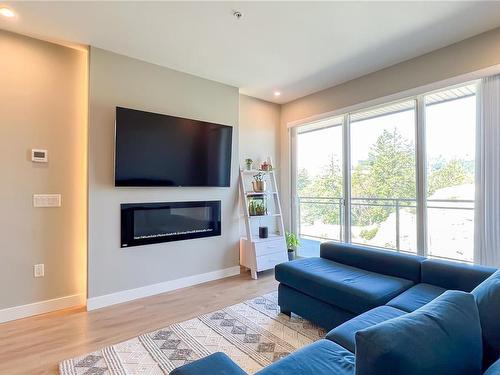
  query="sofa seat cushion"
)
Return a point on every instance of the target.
[
  {"x": 487, "y": 295},
  {"x": 322, "y": 357},
  {"x": 442, "y": 337},
  {"x": 345, "y": 333},
  {"x": 350, "y": 288},
  {"x": 416, "y": 297}
]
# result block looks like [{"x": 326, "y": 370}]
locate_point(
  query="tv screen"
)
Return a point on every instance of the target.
[{"x": 160, "y": 150}]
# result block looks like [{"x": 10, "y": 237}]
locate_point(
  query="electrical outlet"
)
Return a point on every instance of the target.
[{"x": 39, "y": 270}]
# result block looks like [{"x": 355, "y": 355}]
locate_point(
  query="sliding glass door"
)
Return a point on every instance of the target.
[
  {"x": 383, "y": 177},
  {"x": 319, "y": 187},
  {"x": 399, "y": 176}
]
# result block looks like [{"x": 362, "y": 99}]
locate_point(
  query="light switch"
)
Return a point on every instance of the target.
[{"x": 46, "y": 200}]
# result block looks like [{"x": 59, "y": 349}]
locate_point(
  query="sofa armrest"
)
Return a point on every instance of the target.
[
  {"x": 386, "y": 262},
  {"x": 217, "y": 363}
]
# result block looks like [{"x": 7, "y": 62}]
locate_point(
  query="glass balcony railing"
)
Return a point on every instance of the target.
[{"x": 388, "y": 223}]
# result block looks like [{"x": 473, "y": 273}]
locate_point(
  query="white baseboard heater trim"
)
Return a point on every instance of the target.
[
  {"x": 166, "y": 286},
  {"x": 42, "y": 307}
]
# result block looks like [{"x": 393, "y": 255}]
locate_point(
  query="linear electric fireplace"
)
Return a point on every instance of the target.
[{"x": 148, "y": 223}]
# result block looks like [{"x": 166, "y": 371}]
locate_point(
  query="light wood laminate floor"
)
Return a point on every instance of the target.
[{"x": 36, "y": 345}]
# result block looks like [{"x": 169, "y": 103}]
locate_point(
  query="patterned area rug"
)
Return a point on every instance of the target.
[{"x": 253, "y": 333}]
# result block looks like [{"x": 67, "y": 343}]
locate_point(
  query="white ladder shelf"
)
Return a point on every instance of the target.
[{"x": 260, "y": 254}]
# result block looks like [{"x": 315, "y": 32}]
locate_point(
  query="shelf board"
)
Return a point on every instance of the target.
[
  {"x": 249, "y": 193},
  {"x": 255, "y": 171},
  {"x": 268, "y": 215},
  {"x": 272, "y": 236}
]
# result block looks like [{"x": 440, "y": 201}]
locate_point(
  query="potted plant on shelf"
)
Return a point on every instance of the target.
[
  {"x": 260, "y": 209},
  {"x": 265, "y": 166},
  {"x": 257, "y": 208},
  {"x": 258, "y": 183},
  {"x": 292, "y": 243},
  {"x": 248, "y": 163}
]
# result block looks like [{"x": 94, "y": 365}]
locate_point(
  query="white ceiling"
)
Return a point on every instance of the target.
[{"x": 294, "y": 47}]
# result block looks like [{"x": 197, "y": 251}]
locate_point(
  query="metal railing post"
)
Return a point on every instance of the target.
[
  {"x": 341, "y": 203},
  {"x": 299, "y": 217},
  {"x": 398, "y": 204},
  {"x": 398, "y": 245}
]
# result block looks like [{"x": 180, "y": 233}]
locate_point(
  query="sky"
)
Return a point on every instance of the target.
[{"x": 450, "y": 133}]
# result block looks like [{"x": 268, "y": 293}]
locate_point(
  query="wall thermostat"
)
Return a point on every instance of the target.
[{"x": 39, "y": 156}]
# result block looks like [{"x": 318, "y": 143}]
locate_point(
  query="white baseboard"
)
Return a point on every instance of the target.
[
  {"x": 166, "y": 286},
  {"x": 42, "y": 307}
]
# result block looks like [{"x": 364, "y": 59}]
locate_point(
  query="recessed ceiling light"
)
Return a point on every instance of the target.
[
  {"x": 6, "y": 12},
  {"x": 277, "y": 93}
]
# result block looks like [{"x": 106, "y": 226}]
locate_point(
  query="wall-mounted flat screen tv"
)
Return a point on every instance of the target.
[{"x": 152, "y": 149}]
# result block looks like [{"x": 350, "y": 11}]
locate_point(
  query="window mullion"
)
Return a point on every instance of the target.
[
  {"x": 294, "y": 205},
  {"x": 421, "y": 168},
  {"x": 346, "y": 135}
]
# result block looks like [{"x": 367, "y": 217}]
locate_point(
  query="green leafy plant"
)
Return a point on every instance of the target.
[
  {"x": 259, "y": 176},
  {"x": 368, "y": 234},
  {"x": 249, "y": 163},
  {"x": 256, "y": 208},
  {"x": 292, "y": 242}
]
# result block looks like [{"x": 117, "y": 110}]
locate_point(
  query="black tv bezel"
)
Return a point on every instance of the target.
[{"x": 121, "y": 185}]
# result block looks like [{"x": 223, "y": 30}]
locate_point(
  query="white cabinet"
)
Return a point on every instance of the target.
[{"x": 260, "y": 255}]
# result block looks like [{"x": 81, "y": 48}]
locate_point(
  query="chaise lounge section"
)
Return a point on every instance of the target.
[
  {"x": 382, "y": 310},
  {"x": 345, "y": 281}
]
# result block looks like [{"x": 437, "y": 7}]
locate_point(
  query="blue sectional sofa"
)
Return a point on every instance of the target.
[{"x": 386, "y": 313}]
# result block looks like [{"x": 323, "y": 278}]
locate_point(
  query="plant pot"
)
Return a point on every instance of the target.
[
  {"x": 260, "y": 212},
  {"x": 249, "y": 167},
  {"x": 291, "y": 254},
  {"x": 259, "y": 186}
]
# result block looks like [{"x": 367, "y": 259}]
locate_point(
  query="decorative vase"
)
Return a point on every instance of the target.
[
  {"x": 259, "y": 186},
  {"x": 291, "y": 255},
  {"x": 265, "y": 167},
  {"x": 249, "y": 166}
]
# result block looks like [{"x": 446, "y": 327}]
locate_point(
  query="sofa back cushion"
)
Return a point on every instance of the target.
[
  {"x": 442, "y": 337},
  {"x": 454, "y": 275},
  {"x": 487, "y": 295},
  {"x": 380, "y": 261}
]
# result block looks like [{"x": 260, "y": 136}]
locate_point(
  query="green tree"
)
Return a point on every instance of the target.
[
  {"x": 328, "y": 184},
  {"x": 388, "y": 173},
  {"x": 303, "y": 182},
  {"x": 451, "y": 173}
]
